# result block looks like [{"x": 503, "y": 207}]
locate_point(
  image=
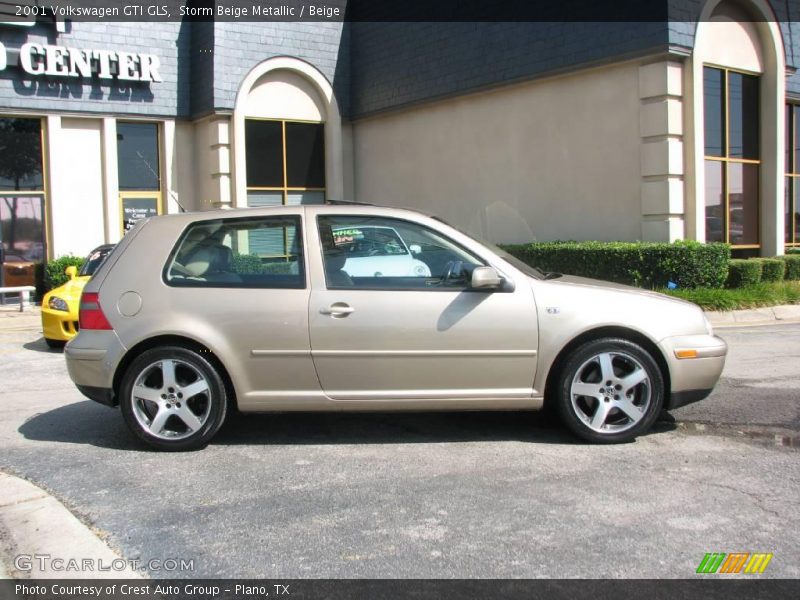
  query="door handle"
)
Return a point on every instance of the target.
[{"x": 337, "y": 310}]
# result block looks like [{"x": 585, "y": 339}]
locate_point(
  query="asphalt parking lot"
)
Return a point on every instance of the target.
[{"x": 445, "y": 495}]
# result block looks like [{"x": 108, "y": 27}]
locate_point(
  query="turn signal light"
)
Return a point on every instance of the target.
[
  {"x": 90, "y": 314},
  {"x": 686, "y": 353}
]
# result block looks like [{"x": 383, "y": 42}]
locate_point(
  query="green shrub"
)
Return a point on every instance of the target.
[
  {"x": 54, "y": 274},
  {"x": 247, "y": 264},
  {"x": 792, "y": 266},
  {"x": 772, "y": 269},
  {"x": 646, "y": 264},
  {"x": 793, "y": 251},
  {"x": 743, "y": 273},
  {"x": 250, "y": 264}
]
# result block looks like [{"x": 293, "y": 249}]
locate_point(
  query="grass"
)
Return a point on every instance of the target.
[{"x": 763, "y": 294}]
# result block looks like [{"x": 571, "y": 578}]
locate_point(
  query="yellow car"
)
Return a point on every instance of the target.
[{"x": 60, "y": 305}]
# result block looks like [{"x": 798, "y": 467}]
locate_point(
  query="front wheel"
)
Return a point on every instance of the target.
[
  {"x": 609, "y": 391},
  {"x": 172, "y": 398}
]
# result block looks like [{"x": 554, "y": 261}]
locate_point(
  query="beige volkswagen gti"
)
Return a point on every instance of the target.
[{"x": 194, "y": 314}]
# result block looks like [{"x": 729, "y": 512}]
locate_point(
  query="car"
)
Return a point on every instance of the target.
[
  {"x": 60, "y": 305},
  {"x": 378, "y": 252},
  {"x": 18, "y": 270},
  {"x": 193, "y": 315}
]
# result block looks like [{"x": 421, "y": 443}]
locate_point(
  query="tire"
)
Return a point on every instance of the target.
[
  {"x": 616, "y": 377},
  {"x": 54, "y": 344},
  {"x": 179, "y": 402}
]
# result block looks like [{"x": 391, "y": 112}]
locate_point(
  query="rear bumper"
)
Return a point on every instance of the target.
[
  {"x": 102, "y": 395},
  {"x": 92, "y": 357}
]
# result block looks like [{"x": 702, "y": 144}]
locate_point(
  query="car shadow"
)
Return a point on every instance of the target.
[
  {"x": 41, "y": 346},
  {"x": 91, "y": 424}
]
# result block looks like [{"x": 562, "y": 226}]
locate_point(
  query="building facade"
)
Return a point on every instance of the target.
[{"x": 687, "y": 128}]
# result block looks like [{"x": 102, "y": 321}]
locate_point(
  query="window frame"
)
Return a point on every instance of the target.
[
  {"x": 459, "y": 289},
  {"x": 302, "y": 261},
  {"x": 159, "y": 193},
  {"x": 285, "y": 189},
  {"x": 726, "y": 159},
  {"x": 791, "y": 176},
  {"x": 44, "y": 192}
]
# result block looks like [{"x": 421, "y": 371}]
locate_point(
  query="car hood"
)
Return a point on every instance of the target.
[
  {"x": 72, "y": 290},
  {"x": 608, "y": 285}
]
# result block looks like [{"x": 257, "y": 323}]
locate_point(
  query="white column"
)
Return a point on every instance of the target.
[{"x": 113, "y": 219}]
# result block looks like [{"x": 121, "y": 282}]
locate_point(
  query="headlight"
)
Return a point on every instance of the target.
[
  {"x": 709, "y": 328},
  {"x": 57, "y": 303}
]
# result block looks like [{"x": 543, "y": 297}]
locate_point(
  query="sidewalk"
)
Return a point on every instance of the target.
[{"x": 33, "y": 523}]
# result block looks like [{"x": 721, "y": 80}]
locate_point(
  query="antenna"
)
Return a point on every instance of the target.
[{"x": 172, "y": 194}]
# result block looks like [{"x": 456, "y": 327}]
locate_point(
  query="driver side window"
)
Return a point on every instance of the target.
[{"x": 379, "y": 253}]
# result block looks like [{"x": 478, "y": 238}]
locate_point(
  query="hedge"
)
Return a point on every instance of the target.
[
  {"x": 250, "y": 264},
  {"x": 793, "y": 251},
  {"x": 645, "y": 264},
  {"x": 772, "y": 269},
  {"x": 743, "y": 273},
  {"x": 54, "y": 274},
  {"x": 792, "y": 267}
]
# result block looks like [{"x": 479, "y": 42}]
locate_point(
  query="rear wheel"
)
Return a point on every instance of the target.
[
  {"x": 609, "y": 391},
  {"x": 172, "y": 398}
]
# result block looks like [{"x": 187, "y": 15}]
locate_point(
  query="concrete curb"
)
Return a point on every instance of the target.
[
  {"x": 32, "y": 522},
  {"x": 755, "y": 316}
]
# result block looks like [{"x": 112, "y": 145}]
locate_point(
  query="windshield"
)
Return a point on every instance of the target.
[
  {"x": 512, "y": 260},
  {"x": 94, "y": 260}
]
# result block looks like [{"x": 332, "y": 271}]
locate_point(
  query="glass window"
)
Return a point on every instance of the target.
[
  {"x": 743, "y": 203},
  {"x": 137, "y": 156},
  {"x": 264, "y": 153},
  {"x": 285, "y": 159},
  {"x": 715, "y": 202},
  {"x": 714, "y": 113},
  {"x": 796, "y": 145},
  {"x": 252, "y": 252},
  {"x": 305, "y": 155},
  {"x": 377, "y": 253},
  {"x": 743, "y": 115},
  {"x": 21, "y": 154}
]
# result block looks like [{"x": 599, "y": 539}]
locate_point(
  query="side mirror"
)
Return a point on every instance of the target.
[
  {"x": 485, "y": 278},
  {"x": 71, "y": 271},
  {"x": 415, "y": 249}
]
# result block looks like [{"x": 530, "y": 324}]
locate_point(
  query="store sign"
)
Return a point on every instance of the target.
[
  {"x": 135, "y": 209},
  {"x": 60, "y": 61}
]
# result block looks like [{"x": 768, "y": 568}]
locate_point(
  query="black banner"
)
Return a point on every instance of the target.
[
  {"x": 29, "y": 11},
  {"x": 708, "y": 588}
]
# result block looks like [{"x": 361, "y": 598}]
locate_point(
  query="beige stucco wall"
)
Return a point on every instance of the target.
[{"x": 555, "y": 159}]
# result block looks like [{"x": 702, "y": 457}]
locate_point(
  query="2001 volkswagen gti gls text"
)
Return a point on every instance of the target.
[{"x": 303, "y": 308}]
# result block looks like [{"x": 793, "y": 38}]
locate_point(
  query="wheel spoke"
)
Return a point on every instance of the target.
[
  {"x": 630, "y": 409},
  {"x": 586, "y": 389},
  {"x": 187, "y": 416},
  {"x": 147, "y": 393},
  {"x": 634, "y": 379},
  {"x": 198, "y": 387},
  {"x": 600, "y": 414},
  {"x": 168, "y": 373},
  {"x": 606, "y": 366},
  {"x": 159, "y": 421}
]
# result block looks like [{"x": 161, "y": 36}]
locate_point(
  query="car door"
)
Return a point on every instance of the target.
[{"x": 422, "y": 338}]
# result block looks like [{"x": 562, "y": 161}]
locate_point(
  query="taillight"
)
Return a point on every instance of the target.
[{"x": 91, "y": 315}]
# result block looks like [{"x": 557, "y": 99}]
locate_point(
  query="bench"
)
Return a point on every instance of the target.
[{"x": 24, "y": 292}]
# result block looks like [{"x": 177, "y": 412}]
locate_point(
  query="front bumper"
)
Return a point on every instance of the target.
[
  {"x": 695, "y": 365},
  {"x": 58, "y": 324}
]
